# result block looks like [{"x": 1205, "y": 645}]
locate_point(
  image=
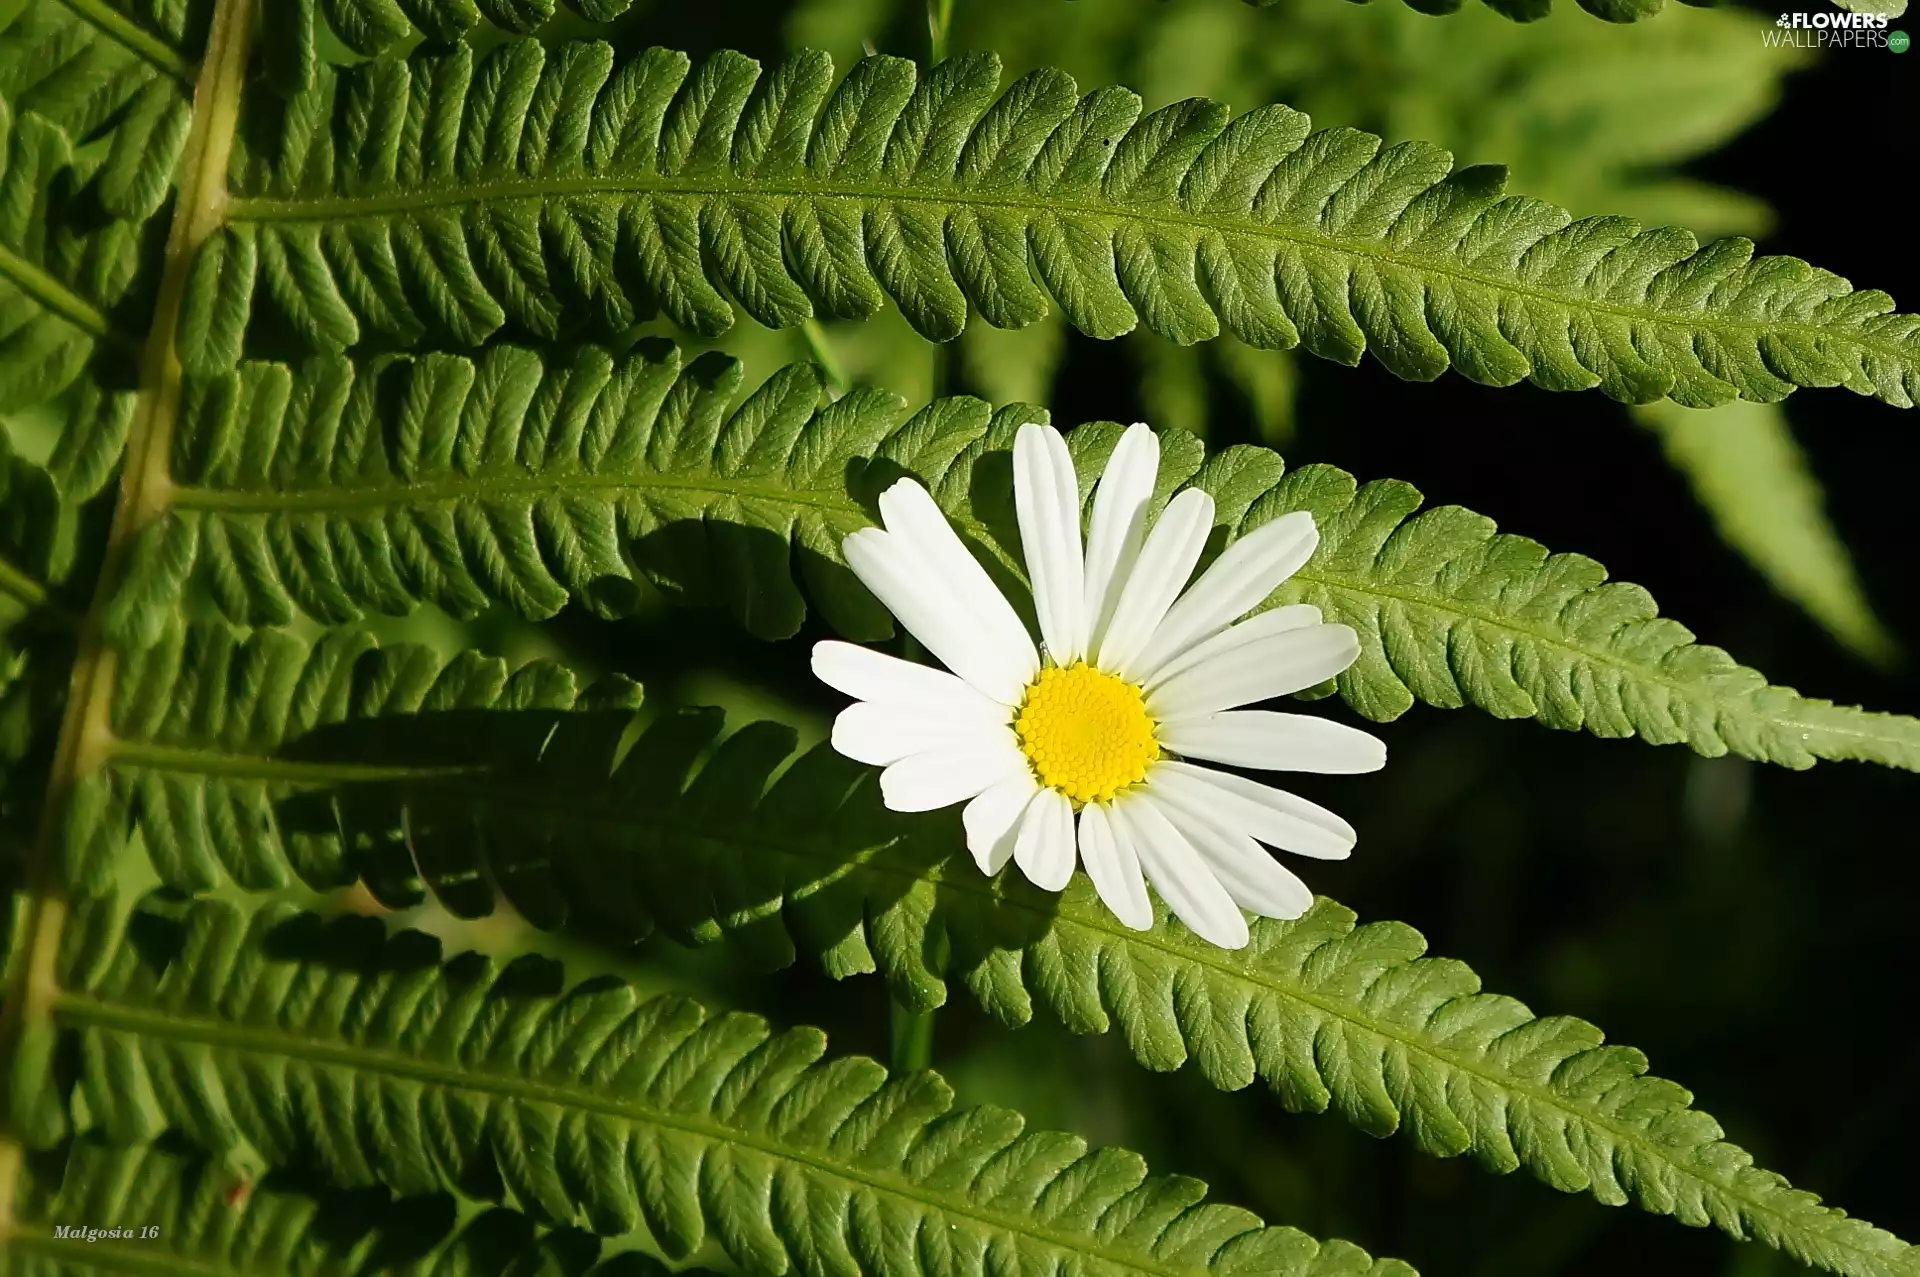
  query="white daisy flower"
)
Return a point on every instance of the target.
[{"x": 1080, "y": 745}]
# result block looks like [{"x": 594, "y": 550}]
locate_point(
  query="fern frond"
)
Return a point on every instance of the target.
[
  {"x": 79, "y": 1205},
  {"x": 348, "y": 488},
  {"x": 221, "y": 759},
  {"x": 440, "y": 195},
  {"x": 118, "y": 73},
  {"x": 600, "y": 1107},
  {"x": 789, "y": 858},
  {"x": 93, "y": 117},
  {"x": 376, "y": 27},
  {"x": 56, "y": 277},
  {"x": 1759, "y": 489},
  {"x": 1590, "y": 118},
  {"x": 83, "y": 1209},
  {"x": 515, "y": 479}
]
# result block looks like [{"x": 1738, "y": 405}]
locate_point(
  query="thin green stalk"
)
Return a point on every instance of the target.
[
  {"x": 21, "y": 586},
  {"x": 821, "y": 352},
  {"x": 939, "y": 24},
  {"x": 909, "y": 1039},
  {"x": 940, "y": 380},
  {"x": 910, "y": 1032}
]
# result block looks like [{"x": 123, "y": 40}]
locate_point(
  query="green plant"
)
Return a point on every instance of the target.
[{"x": 357, "y": 358}]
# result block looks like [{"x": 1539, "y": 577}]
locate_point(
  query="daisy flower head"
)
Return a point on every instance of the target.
[{"x": 1076, "y": 751}]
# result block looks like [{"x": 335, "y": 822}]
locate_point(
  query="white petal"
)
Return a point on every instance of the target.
[
  {"x": 1295, "y": 616},
  {"x": 867, "y": 675},
  {"x": 1274, "y": 816},
  {"x": 868, "y": 732},
  {"x": 1257, "y": 671},
  {"x": 1046, "y": 498},
  {"x": 1234, "y": 584},
  {"x": 1254, "y": 879},
  {"x": 909, "y": 512},
  {"x": 1165, "y": 563},
  {"x": 992, "y": 818},
  {"x": 1119, "y": 523},
  {"x": 1044, "y": 846},
  {"x": 1114, "y": 866},
  {"x": 916, "y": 594},
  {"x": 1275, "y": 742},
  {"x": 943, "y": 777},
  {"x": 1180, "y": 874}
]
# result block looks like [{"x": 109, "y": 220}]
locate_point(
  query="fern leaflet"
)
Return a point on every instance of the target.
[
  {"x": 1760, "y": 490},
  {"x": 602, "y": 1107},
  {"x": 783, "y": 859},
  {"x": 342, "y": 489},
  {"x": 93, "y": 119},
  {"x": 447, "y": 196},
  {"x": 210, "y": 768},
  {"x": 90, "y": 1209}
]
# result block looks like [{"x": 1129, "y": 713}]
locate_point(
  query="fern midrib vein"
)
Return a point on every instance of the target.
[
  {"x": 234, "y": 765},
  {"x": 832, "y": 502},
  {"x": 485, "y": 486},
  {"x": 131, "y": 36},
  {"x": 179, "y": 1025},
  {"x": 21, "y": 585},
  {"x": 331, "y": 208},
  {"x": 53, "y": 296}
]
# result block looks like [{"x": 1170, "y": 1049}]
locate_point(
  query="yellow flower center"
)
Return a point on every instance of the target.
[{"x": 1087, "y": 733}]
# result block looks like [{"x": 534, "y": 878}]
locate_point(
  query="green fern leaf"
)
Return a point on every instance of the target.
[
  {"x": 1756, "y": 484},
  {"x": 510, "y": 479},
  {"x": 374, "y": 27},
  {"x": 601, "y": 1107},
  {"x": 84, "y": 1209},
  {"x": 95, "y": 1209},
  {"x": 347, "y": 488},
  {"x": 93, "y": 118},
  {"x": 734, "y": 843},
  {"x": 289, "y": 38},
  {"x": 203, "y": 712},
  {"x": 541, "y": 185},
  {"x": 368, "y": 27},
  {"x": 115, "y": 72},
  {"x": 518, "y": 16},
  {"x": 1589, "y": 118},
  {"x": 442, "y": 20},
  {"x": 55, "y": 279}
]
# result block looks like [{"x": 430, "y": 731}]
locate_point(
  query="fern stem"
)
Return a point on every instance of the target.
[
  {"x": 145, "y": 490},
  {"x": 939, "y": 24},
  {"x": 909, "y": 1039},
  {"x": 53, "y": 295},
  {"x": 21, "y": 586},
  {"x": 910, "y": 1032},
  {"x": 820, "y": 350}
]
